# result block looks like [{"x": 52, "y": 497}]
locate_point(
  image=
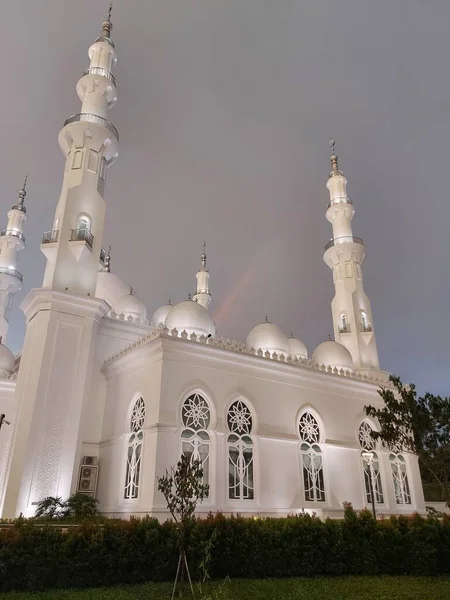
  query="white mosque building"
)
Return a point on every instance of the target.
[{"x": 102, "y": 399}]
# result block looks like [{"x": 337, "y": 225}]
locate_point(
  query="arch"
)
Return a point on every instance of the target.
[
  {"x": 309, "y": 408},
  {"x": 371, "y": 465},
  {"x": 240, "y": 450},
  {"x": 195, "y": 439},
  {"x": 343, "y": 323},
  {"x": 310, "y": 435},
  {"x": 205, "y": 392},
  {"x": 84, "y": 221},
  {"x": 135, "y": 425},
  {"x": 399, "y": 471},
  {"x": 250, "y": 404}
]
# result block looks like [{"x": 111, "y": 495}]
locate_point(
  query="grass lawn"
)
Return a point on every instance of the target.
[{"x": 351, "y": 588}]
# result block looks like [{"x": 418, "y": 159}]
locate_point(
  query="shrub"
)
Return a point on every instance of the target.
[{"x": 41, "y": 555}]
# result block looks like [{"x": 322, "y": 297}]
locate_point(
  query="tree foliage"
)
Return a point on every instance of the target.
[
  {"x": 77, "y": 506},
  {"x": 417, "y": 424}
]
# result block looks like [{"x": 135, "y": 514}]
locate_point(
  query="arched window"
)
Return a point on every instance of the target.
[
  {"x": 365, "y": 325},
  {"x": 240, "y": 452},
  {"x": 195, "y": 440},
  {"x": 343, "y": 324},
  {"x": 84, "y": 222},
  {"x": 134, "y": 450},
  {"x": 312, "y": 463},
  {"x": 370, "y": 464},
  {"x": 400, "y": 479}
]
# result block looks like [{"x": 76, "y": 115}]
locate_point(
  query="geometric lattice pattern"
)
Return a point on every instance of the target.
[
  {"x": 239, "y": 418},
  {"x": 309, "y": 429},
  {"x": 134, "y": 451},
  {"x": 366, "y": 440},
  {"x": 400, "y": 479},
  {"x": 138, "y": 415},
  {"x": 195, "y": 413}
]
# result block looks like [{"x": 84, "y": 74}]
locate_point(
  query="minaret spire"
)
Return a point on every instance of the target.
[
  {"x": 90, "y": 143},
  {"x": 344, "y": 254},
  {"x": 12, "y": 240},
  {"x": 203, "y": 295}
]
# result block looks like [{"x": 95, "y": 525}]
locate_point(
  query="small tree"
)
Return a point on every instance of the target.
[
  {"x": 51, "y": 507},
  {"x": 420, "y": 425},
  {"x": 81, "y": 506},
  {"x": 182, "y": 488}
]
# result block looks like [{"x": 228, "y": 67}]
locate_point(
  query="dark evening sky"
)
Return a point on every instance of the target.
[{"x": 225, "y": 111}]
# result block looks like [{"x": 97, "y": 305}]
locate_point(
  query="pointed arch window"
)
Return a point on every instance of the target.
[
  {"x": 370, "y": 465},
  {"x": 365, "y": 323},
  {"x": 343, "y": 324},
  {"x": 240, "y": 452},
  {"x": 134, "y": 451},
  {"x": 312, "y": 459},
  {"x": 195, "y": 439},
  {"x": 400, "y": 479}
]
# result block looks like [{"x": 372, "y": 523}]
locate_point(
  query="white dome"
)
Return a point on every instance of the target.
[
  {"x": 192, "y": 317},
  {"x": 297, "y": 349},
  {"x": 160, "y": 315},
  {"x": 268, "y": 336},
  {"x": 333, "y": 354},
  {"x": 110, "y": 287},
  {"x": 130, "y": 305},
  {"x": 7, "y": 360}
]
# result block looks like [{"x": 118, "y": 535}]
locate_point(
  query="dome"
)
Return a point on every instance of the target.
[
  {"x": 297, "y": 349},
  {"x": 130, "y": 305},
  {"x": 7, "y": 360},
  {"x": 333, "y": 354},
  {"x": 160, "y": 315},
  {"x": 268, "y": 336},
  {"x": 110, "y": 287},
  {"x": 192, "y": 317}
]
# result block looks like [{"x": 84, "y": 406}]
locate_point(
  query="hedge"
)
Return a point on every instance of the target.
[{"x": 36, "y": 556}]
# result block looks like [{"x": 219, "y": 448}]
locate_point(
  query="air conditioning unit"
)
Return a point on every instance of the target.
[
  {"x": 87, "y": 480},
  {"x": 92, "y": 461}
]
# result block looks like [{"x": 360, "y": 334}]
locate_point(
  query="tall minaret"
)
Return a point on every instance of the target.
[
  {"x": 54, "y": 378},
  {"x": 203, "y": 295},
  {"x": 12, "y": 241},
  {"x": 90, "y": 143},
  {"x": 344, "y": 254}
]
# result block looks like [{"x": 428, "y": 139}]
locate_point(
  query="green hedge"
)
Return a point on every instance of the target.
[{"x": 41, "y": 556}]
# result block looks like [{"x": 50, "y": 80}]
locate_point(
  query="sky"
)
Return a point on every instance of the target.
[{"x": 225, "y": 111}]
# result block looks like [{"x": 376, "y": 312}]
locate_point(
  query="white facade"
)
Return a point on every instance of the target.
[{"x": 102, "y": 400}]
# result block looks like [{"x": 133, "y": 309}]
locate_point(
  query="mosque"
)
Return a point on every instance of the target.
[{"x": 102, "y": 398}]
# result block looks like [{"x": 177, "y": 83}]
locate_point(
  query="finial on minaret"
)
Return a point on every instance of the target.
[
  {"x": 107, "y": 25},
  {"x": 203, "y": 258},
  {"x": 334, "y": 159},
  {"x": 107, "y": 264},
  {"x": 23, "y": 192}
]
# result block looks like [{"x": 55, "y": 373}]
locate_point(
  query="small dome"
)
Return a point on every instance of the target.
[
  {"x": 7, "y": 360},
  {"x": 297, "y": 349},
  {"x": 333, "y": 354},
  {"x": 192, "y": 317},
  {"x": 130, "y": 305},
  {"x": 270, "y": 337},
  {"x": 110, "y": 287},
  {"x": 160, "y": 315}
]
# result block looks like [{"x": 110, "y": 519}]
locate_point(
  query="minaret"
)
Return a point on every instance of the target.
[
  {"x": 54, "y": 378},
  {"x": 90, "y": 143},
  {"x": 12, "y": 241},
  {"x": 203, "y": 295},
  {"x": 344, "y": 254}
]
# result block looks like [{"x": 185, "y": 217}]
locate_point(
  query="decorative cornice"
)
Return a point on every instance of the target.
[
  {"x": 40, "y": 299},
  {"x": 129, "y": 319},
  {"x": 379, "y": 378}
]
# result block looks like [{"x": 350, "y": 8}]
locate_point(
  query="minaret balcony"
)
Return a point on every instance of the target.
[
  {"x": 50, "y": 237},
  {"x": 91, "y": 118},
  {"x": 344, "y": 239},
  {"x": 340, "y": 200},
  {"x": 12, "y": 273},
  {"x": 14, "y": 233},
  {"x": 102, "y": 72},
  {"x": 81, "y": 242}
]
